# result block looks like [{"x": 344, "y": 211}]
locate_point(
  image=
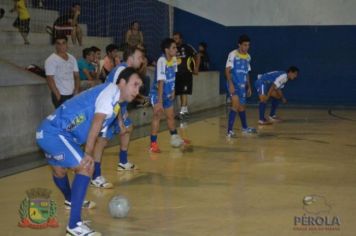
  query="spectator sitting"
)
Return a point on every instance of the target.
[
  {"x": 109, "y": 61},
  {"x": 204, "y": 57},
  {"x": 22, "y": 22},
  {"x": 88, "y": 77},
  {"x": 96, "y": 63},
  {"x": 134, "y": 36},
  {"x": 67, "y": 24}
]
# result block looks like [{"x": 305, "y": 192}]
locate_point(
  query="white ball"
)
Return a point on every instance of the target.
[{"x": 119, "y": 206}]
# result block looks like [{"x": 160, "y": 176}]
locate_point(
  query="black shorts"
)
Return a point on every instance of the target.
[
  {"x": 63, "y": 98},
  {"x": 22, "y": 25},
  {"x": 184, "y": 83}
]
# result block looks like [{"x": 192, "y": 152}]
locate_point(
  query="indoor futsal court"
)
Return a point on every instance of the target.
[
  {"x": 177, "y": 117},
  {"x": 253, "y": 185}
]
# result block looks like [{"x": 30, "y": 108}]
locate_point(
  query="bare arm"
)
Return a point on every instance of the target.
[
  {"x": 93, "y": 133},
  {"x": 128, "y": 33},
  {"x": 52, "y": 86},
  {"x": 88, "y": 74},
  {"x": 229, "y": 80},
  {"x": 249, "y": 89},
  {"x": 197, "y": 64},
  {"x": 76, "y": 82}
]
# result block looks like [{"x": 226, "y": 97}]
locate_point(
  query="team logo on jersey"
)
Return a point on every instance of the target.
[
  {"x": 37, "y": 210},
  {"x": 117, "y": 109},
  {"x": 76, "y": 122}
]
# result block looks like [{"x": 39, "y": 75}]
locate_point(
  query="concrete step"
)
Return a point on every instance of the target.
[
  {"x": 35, "y": 26},
  {"x": 14, "y": 38},
  {"x": 24, "y": 55},
  {"x": 40, "y": 18}
]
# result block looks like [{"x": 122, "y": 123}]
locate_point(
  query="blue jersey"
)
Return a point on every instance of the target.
[
  {"x": 74, "y": 118},
  {"x": 240, "y": 66},
  {"x": 279, "y": 78},
  {"x": 114, "y": 73},
  {"x": 166, "y": 72}
]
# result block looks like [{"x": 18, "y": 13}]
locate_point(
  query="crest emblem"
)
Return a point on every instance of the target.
[{"x": 37, "y": 210}]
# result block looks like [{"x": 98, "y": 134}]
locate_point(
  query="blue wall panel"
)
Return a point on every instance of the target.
[{"x": 326, "y": 55}]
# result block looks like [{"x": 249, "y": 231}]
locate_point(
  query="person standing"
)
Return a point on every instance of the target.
[
  {"x": 188, "y": 64},
  {"x": 62, "y": 73}
]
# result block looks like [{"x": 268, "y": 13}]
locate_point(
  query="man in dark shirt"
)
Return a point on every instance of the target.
[{"x": 188, "y": 64}]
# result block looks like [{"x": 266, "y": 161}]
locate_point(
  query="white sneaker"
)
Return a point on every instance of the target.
[
  {"x": 127, "y": 166},
  {"x": 176, "y": 141},
  {"x": 86, "y": 204},
  {"x": 231, "y": 134},
  {"x": 275, "y": 119},
  {"x": 101, "y": 182},
  {"x": 82, "y": 229}
]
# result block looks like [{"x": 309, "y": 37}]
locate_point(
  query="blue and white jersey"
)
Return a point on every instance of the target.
[
  {"x": 166, "y": 72},
  {"x": 278, "y": 78},
  {"x": 240, "y": 66},
  {"x": 114, "y": 73},
  {"x": 74, "y": 118}
]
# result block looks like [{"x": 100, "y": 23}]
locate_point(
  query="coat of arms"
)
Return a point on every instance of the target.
[{"x": 37, "y": 210}]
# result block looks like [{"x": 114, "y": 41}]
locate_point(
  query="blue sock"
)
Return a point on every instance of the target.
[
  {"x": 97, "y": 170},
  {"x": 262, "y": 108},
  {"x": 63, "y": 185},
  {"x": 153, "y": 138},
  {"x": 123, "y": 156},
  {"x": 230, "y": 124},
  {"x": 79, "y": 189},
  {"x": 242, "y": 115},
  {"x": 173, "y": 132},
  {"x": 275, "y": 103}
]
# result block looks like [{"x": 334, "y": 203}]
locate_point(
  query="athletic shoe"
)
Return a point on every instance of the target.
[
  {"x": 154, "y": 147},
  {"x": 176, "y": 141},
  {"x": 264, "y": 122},
  {"x": 275, "y": 118},
  {"x": 86, "y": 204},
  {"x": 82, "y": 229},
  {"x": 231, "y": 134},
  {"x": 101, "y": 182},
  {"x": 127, "y": 166},
  {"x": 249, "y": 130}
]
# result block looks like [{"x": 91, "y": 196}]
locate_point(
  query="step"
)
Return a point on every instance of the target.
[
  {"x": 35, "y": 26},
  {"x": 38, "y": 14},
  {"x": 38, "y": 22},
  {"x": 24, "y": 55},
  {"x": 14, "y": 38}
]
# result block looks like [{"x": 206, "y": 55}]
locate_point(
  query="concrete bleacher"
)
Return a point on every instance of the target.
[
  {"x": 25, "y": 97},
  {"x": 14, "y": 50}
]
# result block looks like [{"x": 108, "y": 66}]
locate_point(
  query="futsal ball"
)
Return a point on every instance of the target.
[{"x": 119, "y": 206}]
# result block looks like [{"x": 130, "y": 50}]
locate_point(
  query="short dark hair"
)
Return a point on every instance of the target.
[
  {"x": 129, "y": 51},
  {"x": 179, "y": 34},
  {"x": 111, "y": 47},
  {"x": 87, "y": 51},
  {"x": 95, "y": 49},
  {"x": 166, "y": 43},
  {"x": 127, "y": 73},
  {"x": 292, "y": 69},
  {"x": 243, "y": 38},
  {"x": 204, "y": 45},
  {"x": 75, "y": 4},
  {"x": 61, "y": 36}
]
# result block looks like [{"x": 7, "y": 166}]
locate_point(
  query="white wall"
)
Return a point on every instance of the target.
[{"x": 272, "y": 12}]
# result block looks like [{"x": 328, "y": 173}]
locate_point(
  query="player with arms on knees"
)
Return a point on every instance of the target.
[
  {"x": 76, "y": 122},
  {"x": 270, "y": 85}
]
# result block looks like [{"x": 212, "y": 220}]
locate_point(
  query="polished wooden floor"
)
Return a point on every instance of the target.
[{"x": 251, "y": 185}]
